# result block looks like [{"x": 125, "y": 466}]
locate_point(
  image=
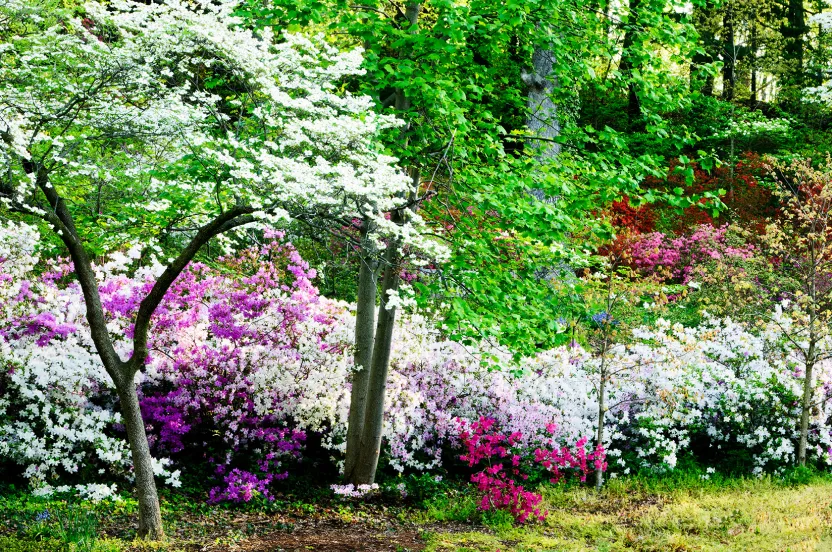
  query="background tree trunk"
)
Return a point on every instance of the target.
[
  {"x": 729, "y": 54},
  {"x": 793, "y": 33},
  {"x": 542, "y": 119},
  {"x": 628, "y": 64}
]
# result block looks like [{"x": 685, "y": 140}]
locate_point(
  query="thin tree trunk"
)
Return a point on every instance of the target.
[
  {"x": 805, "y": 412},
  {"x": 753, "y": 55},
  {"x": 729, "y": 55},
  {"x": 150, "y": 515},
  {"x": 626, "y": 66},
  {"x": 602, "y": 410},
  {"x": 700, "y": 80},
  {"x": 365, "y": 316},
  {"x": 793, "y": 33}
]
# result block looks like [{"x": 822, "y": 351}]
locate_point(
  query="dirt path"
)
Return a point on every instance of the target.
[{"x": 333, "y": 536}]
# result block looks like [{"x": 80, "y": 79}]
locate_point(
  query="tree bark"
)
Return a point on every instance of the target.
[
  {"x": 371, "y": 435},
  {"x": 627, "y": 64},
  {"x": 805, "y": 412},
  {"x": 365, "y": 315},
  {"x": 700, "y": 80},
  {"x": 150, "y": 515},
  {"x": 363, "y": 471},
  {"x": 793, "y": 33},
  {"x": 729, "y": 54},
  {"x": 542, "y": 120},
  {"x": 753, "y": 56}
]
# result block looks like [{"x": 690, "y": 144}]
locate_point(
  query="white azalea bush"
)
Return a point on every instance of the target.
[
  {"x": 718, "y": 390},
  {"x": 57, "y": 412}
]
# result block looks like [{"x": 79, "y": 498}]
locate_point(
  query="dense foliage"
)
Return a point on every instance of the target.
[{"x": 526, "y": 241}]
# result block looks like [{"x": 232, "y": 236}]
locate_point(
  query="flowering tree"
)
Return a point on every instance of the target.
[
  {"x": 166, "y": 126},
  {"x": 799, "y": 246}
]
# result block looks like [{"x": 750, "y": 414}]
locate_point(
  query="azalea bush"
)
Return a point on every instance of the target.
[
  {"x": 505, "y": 466},
  {"x": 676, "y": 257},
  {"x": 250, "y": 366}
]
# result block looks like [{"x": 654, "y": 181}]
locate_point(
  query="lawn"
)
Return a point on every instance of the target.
[
  {"x": 665, "y": 514},
  {"x": 760, "y": 515}
]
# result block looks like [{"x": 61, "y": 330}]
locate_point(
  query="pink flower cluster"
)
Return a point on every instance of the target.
[
  {"x": 679, "y": 255},
  {"x": 504, "y": 463}
]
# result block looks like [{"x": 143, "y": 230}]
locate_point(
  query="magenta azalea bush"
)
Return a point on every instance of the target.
[{"x": 504, "y": 465}]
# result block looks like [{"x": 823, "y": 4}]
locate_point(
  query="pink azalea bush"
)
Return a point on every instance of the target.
[
  {"x": 676, "y": 257},
  {"x": 216, "y": 334}
]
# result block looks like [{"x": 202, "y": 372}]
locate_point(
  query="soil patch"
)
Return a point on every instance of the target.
[{"x": 334, "y": 536}]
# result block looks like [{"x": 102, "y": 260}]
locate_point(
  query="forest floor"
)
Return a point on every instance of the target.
[{"x": 730, "y": 515}]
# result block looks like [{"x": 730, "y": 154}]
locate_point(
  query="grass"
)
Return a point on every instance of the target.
[
  {"x": 681, "y": 512},
  {"x": 669, "y": 514}
]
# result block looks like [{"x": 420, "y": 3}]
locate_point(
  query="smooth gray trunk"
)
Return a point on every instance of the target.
[
  {"x": 362, "y": 465},
  {"x": 542, "y": 119},
  {"x": 365, "y": 316},
  {"x": 370, "y": 448},
  {"x": 805, "y": 412}
]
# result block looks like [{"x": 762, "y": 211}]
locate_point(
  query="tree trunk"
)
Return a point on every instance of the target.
[
  {"x": 365, "y": 316},
  {"x": 150, "y": 515},
  {"x": 805, "y": 412},
  {"x": 123, "y": 373},
  {"x": 627, "y": 65},
  {"x": 753, "y": 56},
  {"x": 793, "y": 33},
  {"x": 700, "y": 80},
  {"x": 364, "y": 472},
  {"x": 542, "y": 118},
  {"x": 729, "y": 54},
  {"x": 543, "y": 113},
  {"x": 599, "y": 437},
  {"x": 364, "y": 462}
]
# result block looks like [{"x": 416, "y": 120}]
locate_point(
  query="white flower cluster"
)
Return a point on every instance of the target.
[
  {"x": 117, "y": 97},
  {"x": 56, "y": 400},
  {"x": 752, "y": 125},
  {"x": 351, "y": 491}
]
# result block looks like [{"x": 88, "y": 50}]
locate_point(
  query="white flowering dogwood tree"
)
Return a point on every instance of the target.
[{"x": 167, "y": 125}]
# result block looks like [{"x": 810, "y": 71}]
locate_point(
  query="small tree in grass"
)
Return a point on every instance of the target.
[
  {"x": 797, "y": 245},
  {"x": 780, "y": 280},
  {"x": 608, "y": 304}
]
